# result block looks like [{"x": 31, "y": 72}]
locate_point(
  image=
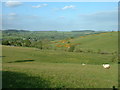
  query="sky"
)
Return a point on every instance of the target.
[{"x": 60, "y": 16}]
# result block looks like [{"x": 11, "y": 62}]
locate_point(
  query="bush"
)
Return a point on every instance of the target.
[
  {"x": 79, "y": 50},
  {"x": 27, "y": 43},
  {"x": 5, "y": 42},
  {"x": 68, "y": 42},
  {"x": 104, "y": 52},
  {"x": 115, "y": 57},
  {"x": 90, "y": 51},
  {"x": 71, "y": 49}
]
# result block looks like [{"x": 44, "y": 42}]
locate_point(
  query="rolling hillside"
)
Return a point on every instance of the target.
[
  {"x": 106, "y": 42},
  {"x": 54, "y": 68},
  {"x": 39, "y": 35}
]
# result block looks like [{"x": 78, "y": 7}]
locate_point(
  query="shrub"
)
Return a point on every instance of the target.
[
  {"x": 68, "y": 42},
  {"x": 99, "y": 50},
  {"x": 71, "y": 49},
  {"x": 115, "y": 57},
  {"x": 79, "y": 50},
  {"x": 5, "y": 42},
  {"x": 104, "y": 52}
]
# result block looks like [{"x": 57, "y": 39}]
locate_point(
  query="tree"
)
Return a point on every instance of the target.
[
  {"x": 5, "y": 42},
  {"x": 38, "y": 44},
  {"x": 27, "y": 43},
  {"x": 45, "y": 44},
  {"x": 68, "y": 42}
]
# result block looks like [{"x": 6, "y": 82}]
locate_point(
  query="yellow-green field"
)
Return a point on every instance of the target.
[
  {"x": 33, "y": 68},
  {"x": 103, "y": 42}
]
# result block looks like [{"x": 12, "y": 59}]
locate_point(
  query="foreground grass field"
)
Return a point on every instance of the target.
[{"x": 30, "y": 67}]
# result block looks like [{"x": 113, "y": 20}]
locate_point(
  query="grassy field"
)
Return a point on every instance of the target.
[
  {"x": 103, "y": 42},
  {"x": 30, "y": 67}
]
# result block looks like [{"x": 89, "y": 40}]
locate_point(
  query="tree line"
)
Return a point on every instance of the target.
[{"x": 41, "y": 44}]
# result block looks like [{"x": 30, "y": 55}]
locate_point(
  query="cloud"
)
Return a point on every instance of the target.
[
  {"x": 106, "y": 20},
  {"x": 12, "y": 14},
  {"x": 108, "y": 16},
  {"x": 13, "y": 3},
  {"x": 68, "y": 7},
  {"x": 39, "y": 6},
  {"x": 45, "y": 4}
]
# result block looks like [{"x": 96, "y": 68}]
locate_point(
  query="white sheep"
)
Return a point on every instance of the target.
[
  {"x": 106, "y": 66},
  {"x": 83, "y": 64}
]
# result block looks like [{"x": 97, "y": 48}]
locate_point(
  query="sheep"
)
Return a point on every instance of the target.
[
  {"x": 106, "y": 66},
  {"x": 83, "y": 64}
]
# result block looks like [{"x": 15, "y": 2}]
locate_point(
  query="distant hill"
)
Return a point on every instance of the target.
[
  {"x": 51, "y": 35},
  {"x": 83, "y": 31},
  {"x": 13, "y": 31}
]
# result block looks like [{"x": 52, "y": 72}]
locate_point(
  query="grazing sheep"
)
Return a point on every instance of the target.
[
  {"x": 106, "y": 66},
  {"x": 83, "y": 64}
]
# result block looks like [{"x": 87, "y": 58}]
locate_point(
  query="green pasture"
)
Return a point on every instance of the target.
[
  {"x": 33, "y": 68},
  {"x": 103, "y": 42}
]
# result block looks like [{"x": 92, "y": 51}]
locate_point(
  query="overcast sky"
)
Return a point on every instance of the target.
[{"x": 61, "y": 16}]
